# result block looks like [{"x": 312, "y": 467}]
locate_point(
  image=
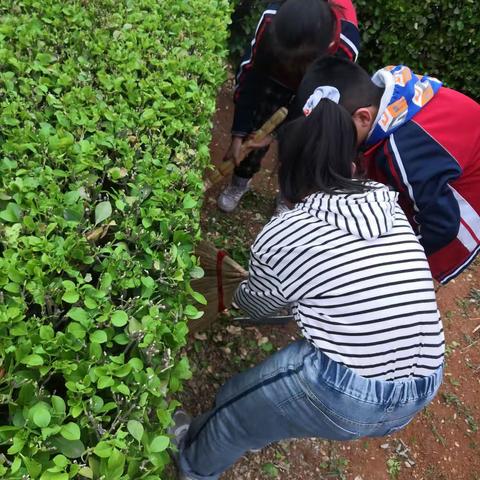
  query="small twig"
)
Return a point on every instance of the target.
[
  {"x": 471, "y": 345},
  {"x": 63, "y": 320},
  {"x": 99, "y": 430},
  {"x": 130, "y": 345},
  {"x": 4, "y": 459},
  {"x": 120, "y": 416}
]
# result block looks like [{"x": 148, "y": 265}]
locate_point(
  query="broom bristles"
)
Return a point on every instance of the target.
[{"x": 232, "y": 276}]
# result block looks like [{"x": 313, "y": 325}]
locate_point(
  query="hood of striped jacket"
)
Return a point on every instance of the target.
[
  {"x": 365, "y": 215},
  {"x": 405, "y": 94}
]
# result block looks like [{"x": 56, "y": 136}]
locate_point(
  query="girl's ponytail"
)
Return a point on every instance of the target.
[{"x": 316, "y": 153}]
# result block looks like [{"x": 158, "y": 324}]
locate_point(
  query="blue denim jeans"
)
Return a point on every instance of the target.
[{"x": 298, "y": 392}]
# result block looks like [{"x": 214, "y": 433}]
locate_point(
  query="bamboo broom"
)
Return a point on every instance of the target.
[
  {"x": 222, "y": 274},
  {"x": 221, "y": 279},
  {"x": 226, "y": 168}
]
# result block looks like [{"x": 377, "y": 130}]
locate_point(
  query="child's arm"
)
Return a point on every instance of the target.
[
  {"x": 248, "y": 80},
  {"x": 261, "y": 295},
  {"x": 421, "y": 170},
  {"x": 349, "y": 41}
]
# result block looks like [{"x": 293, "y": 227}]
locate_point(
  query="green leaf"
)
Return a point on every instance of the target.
[
  {"x": 68, "y": 285},
  {"x": 46, "y": 332},
  {"x": 116, "y": 464},
  {"x": 77, "y": 330},
  {"x": 102, "y": 211},
  {"x": 12, "y": 213},
  {"x": 123, "y": 389},
  {"x": 197, "y": 272},
  {"x": 103, "y": 450},
  {"x": 267, "y": 347},
  {"x": 58, "y": 404},
  {"x": 12, "y": 288},
  {"x": 148, "y": 114},
  {"x": 270, "y": 469},
  {"x": 199, "y": 298},
  {"x": 182, "y": 369},
  {"x": 50, "y": 431},
  {"x": 189, "y": 202},
  {"x": 192, "y": 312},
  {"x": 60, "y": 461},
  {"x": 17, "y": 446},
  {"x": 119, "y": 318},
  {"x": 136, "y": 429},
  {"x": 33, "y": 468},
  {"x": 105, "y": 382},
  {"x": 134, "y": 325},
  {"x": 159, "y": 444},
  {"x": 78, "y": 314},
  {"x": 69, "y": 448},
  {"x": 90, "y": 303},
  {"x": 70, "y": 296},
  {"x": 86, "y": 472},
  {"x": 16, "y": 464},
  {"x": 70, "y": 431},
  {"x": 32, "y": 360},
  {"x": 136, "y": 363},
  {"x": 54, "y": 476},
  {"x": 76, "y": 411},
  {"x": 40, "y": 415},
  {"x": 98, "y": 336}
]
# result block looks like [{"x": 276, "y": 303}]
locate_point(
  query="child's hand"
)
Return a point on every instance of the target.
[
  {"x": 240, "y": 147},
  {"x": 233, "y": 153},
  {"x": 252, "y": 144}
]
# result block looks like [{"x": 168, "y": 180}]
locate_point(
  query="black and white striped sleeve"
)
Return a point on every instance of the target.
[{"x": 261, "y": 295}]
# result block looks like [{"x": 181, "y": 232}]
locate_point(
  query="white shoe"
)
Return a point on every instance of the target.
[{"x": 229, "y": 199}]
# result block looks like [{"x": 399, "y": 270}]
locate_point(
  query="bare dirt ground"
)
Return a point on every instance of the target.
[{"x": 442, "y": 443}]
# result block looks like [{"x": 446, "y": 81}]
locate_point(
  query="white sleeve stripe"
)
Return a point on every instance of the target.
[
  {"x": 401, "y": 167},
  {"x": 468, "y": 213},
  {"x": 463, "y": 266},
  {"x": 252, "y": 45},
  {"x": 466, "y": 238},
  {"x": 350, "y": 44}
]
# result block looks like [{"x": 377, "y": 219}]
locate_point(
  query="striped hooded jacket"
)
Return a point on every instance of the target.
[
  {"x": 357, "y": 280},
  {"x": 426, "y": 144},
  {"x": 249, "y": 83}
]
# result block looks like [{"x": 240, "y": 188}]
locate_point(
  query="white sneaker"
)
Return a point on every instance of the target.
[{"x": 229, "y": 199}]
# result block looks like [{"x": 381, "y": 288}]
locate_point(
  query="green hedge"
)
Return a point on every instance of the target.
[
  {"x": 105, "y": 111},
  {"x": 439, "y": 37}
]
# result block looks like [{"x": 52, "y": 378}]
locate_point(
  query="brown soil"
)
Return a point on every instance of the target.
[{"x": 442, "y": 443}]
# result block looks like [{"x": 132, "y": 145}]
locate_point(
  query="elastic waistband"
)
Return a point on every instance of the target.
[{"x": 320, "y": 367}]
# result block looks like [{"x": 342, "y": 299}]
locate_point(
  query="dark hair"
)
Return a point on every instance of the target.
[
  {"x": 352, "y": 81},
  {"x": 316, "y": 153},
  {"x": 300, "y": 31}
]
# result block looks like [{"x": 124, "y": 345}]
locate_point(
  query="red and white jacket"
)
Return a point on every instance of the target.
[{"x": 433, "y": 161}]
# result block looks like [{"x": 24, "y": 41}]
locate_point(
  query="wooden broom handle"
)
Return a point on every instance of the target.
[
  {"x": 225, "y": 168},
  {"x": 266, "y": 129}
]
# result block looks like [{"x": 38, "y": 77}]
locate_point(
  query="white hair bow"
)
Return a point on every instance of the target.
[{"x": 331, "y": 93}]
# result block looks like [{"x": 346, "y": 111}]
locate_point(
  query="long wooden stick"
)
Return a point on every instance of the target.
[{"x": 226, "y": 168}]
